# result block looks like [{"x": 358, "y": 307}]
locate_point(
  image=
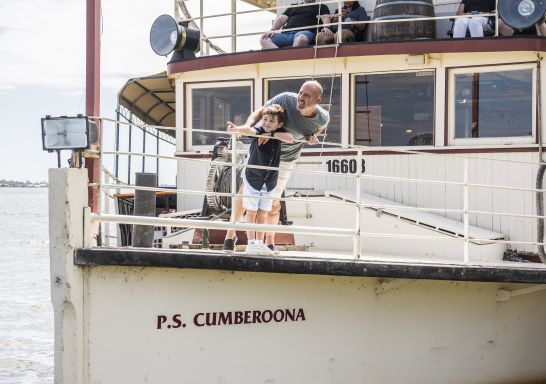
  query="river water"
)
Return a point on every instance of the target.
[{"x": 26, "y": 314}]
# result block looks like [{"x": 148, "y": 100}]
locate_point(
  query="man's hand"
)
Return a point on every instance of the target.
[
  {"x": 327, "y": 31},
  {"x": 311, "y": 139},
  {"x": 268, "y": 35}
]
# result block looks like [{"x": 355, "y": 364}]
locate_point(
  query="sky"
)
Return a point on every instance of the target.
[{"x": 42, "y": 66}]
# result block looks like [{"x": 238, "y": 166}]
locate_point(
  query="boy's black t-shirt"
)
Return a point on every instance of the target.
[{"x": 268, "y": 155}]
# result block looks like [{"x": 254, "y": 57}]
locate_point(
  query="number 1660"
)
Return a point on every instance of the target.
[{"x": 344, "y": 166}]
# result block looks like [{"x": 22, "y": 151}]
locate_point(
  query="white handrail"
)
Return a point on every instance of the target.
[{"x": 162, "y": 221}]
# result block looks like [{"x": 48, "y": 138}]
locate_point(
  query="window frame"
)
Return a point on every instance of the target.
[
  {"x": 188, "y": 96},
  {"x": 352, "y": 111},
  {"x": 480, "y": 141}
]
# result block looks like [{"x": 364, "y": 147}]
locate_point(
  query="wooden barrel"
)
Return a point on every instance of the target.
[{"x": 404, "y": 30}]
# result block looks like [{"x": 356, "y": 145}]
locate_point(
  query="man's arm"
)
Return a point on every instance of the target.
[
  {"x": 313, "y": 139},
  {"x": 460, "y": 10},
  {"x": 254, "y": 117},
  {"x": 326, "y": 20},
  {"x": 279, "y": 22}
]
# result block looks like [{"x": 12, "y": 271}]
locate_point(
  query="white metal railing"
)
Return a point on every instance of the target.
[
  {"x": 233, "y": 35},
  {"x": 108, "y": 183}
]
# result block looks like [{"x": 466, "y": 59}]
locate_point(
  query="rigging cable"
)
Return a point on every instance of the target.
[{"x": 540, "y": 172}]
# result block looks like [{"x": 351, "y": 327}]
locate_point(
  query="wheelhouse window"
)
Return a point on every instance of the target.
[
  {"x": 212, "y": 105},
  {"x": 493, "y": 105},
  {"x": 331, "y": 95},
  {"x": 394, "y": 109}
]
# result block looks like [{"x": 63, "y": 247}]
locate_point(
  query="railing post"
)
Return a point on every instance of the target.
[
  {"x": 116, "y": 159},
  {"x": 233, "y": 26},
  {"x": 465, "y": 209},
  {"x": 358, "y": 195},
  {"x": 106, "y": 198},
  {"x": 201, "y": 27},
  {"x": 233, "y": 175},
  {"x": 496, "y": 17},
  {"x": 339, "y": 39}
]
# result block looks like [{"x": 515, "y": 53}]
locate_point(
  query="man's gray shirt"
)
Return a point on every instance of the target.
[{"x": 297, "y": 124}]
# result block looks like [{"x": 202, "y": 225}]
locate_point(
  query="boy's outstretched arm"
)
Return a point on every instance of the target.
[{"x": 241, "y": 129}]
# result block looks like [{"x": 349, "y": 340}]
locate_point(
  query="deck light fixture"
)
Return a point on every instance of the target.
[
  {"x": 521, "y": 14},
  {"x": 166, "y": 36},
  {"x": 76, "y": 133}
]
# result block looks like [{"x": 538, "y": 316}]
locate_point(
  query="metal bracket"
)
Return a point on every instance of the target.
[{"x": 505, "y": 295}]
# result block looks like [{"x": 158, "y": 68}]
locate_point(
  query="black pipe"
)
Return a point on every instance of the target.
[{"x": 143, "y": 235}]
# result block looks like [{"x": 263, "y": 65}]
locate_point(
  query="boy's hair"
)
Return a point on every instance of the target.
[{"x": 275, "y": 110}]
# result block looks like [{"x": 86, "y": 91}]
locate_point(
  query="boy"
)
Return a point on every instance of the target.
[{"x": 261, "y": 182}]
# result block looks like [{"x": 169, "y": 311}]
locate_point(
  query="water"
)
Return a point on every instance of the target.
[{"x": 26, "y": 314}]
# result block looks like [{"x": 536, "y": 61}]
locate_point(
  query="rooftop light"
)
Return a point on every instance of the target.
[{"x": 166, "y": 36}]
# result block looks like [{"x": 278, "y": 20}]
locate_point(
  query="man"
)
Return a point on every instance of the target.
[
  {"x": 477, "y": 24},
  {"x": 296, "y": 17},
  {"x": 305, "y": 119}
]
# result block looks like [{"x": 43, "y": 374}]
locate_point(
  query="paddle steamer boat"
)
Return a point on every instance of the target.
[{"x": 411, "y": 245}]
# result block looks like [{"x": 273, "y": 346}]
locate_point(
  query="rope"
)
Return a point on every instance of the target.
[{"x": 324, "y": 134}]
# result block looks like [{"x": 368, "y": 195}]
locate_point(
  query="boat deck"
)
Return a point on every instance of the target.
[{"x": 312, "y": 263}]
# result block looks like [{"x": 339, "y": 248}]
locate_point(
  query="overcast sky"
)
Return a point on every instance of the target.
[{"x": 42, "y": 62}]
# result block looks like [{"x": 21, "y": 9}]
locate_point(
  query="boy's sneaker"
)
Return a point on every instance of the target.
[
  {"x": 252, "y": 248},
  {"x": 263, "y": 249},
  {"x": 273, "y": 249},
  {"x": 229, "y": 244}
]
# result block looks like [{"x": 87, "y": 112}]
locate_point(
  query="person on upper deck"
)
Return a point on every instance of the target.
[
  {"x": 477, "y": 24},
  {"x": 351, "y": 11},
  {"x": 296, "y": 17}
]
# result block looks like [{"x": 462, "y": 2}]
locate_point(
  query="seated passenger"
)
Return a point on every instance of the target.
[
  {"x": 296, "y": 17},
  {"x": 477, "y": 24},
  {"x": 351, "y": 11}
]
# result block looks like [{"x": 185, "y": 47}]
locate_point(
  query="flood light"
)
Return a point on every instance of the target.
[
  {"x": 76, "y": 133},
  {"x": 166, "y": 36},
  {"x": 521, "y": 14}
]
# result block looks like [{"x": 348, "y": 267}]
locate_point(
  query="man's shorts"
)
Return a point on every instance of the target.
[
  {"x": 286, "y": 39},
  {"x": 285, "y": 170},
  {"x": 255, "y": 203}
]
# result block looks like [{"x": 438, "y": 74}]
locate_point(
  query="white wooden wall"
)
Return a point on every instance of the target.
[{"x": 484, "y": 168}]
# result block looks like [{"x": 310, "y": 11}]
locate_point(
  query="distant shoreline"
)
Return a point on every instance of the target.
[{"x": 22, "y": 184}]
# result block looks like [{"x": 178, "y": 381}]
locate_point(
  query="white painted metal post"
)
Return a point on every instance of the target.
[
  {"x": 233, "y": 174},
  {"x": 339, "y": 26},
  {"x": 99, "y": 187},
  {"x": 233, "y": 26},
  {"x": 106, "y": 197},
  {"x": 465, "y": 209},
  {"x": 201, "y": 26},
  {"x": 356, "y": 237}
]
